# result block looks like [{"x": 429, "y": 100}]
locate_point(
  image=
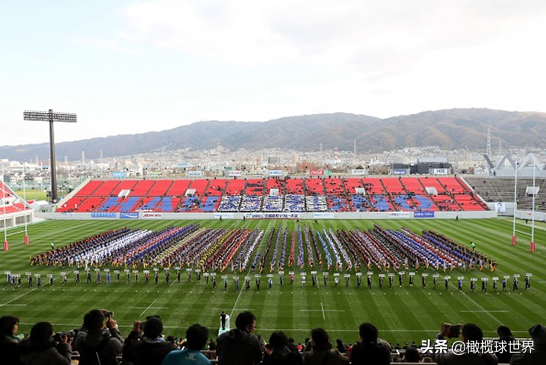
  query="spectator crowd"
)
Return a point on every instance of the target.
[{"x": 99, "y": 341}]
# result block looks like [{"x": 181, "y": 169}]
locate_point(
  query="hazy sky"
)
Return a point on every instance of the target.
[{"x": 136, "y": 66}]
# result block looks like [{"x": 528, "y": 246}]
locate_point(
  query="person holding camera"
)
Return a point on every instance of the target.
[
  {"x": 145, "y": 345},
  {"x": 97, "y": 344},
  {"x": 470, "y": 334},
  {"x": 41, "y": 349}
]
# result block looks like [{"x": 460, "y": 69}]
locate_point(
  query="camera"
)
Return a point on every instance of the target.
[
  {"x": 454, "y": 331},
  {"x": 58, "y": 336},
  {"x": 108, "y": 314}
]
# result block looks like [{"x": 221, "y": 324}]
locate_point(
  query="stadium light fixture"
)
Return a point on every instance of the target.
[{"x": 51, "y": 117}]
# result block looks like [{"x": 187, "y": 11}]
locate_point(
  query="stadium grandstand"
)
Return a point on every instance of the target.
[
  {"x": 332, "y": 195},
  {"x": 14, "y": 211}
]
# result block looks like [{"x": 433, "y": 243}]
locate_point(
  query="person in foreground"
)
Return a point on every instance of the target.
[
  {"x": 41, "y": 349},
  {"x": 240, "y": 346},
  {"x": 148, "y": 347},
  {"x": 97, "y": 344},
  {"x": 196, "y": 338},
  {"x": 322, "y": 352},
  {"x": 9, "y": 341},
  {"x": 538, "y": 355},
  {"x": 370, "y": 350},
  {"x": 281, "y": 351},
  {"x": 471, "y": 333}
]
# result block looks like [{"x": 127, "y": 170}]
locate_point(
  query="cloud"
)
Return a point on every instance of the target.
[
  {"x": 107, "y": 44},
  {"x": 372, "y": 37}
]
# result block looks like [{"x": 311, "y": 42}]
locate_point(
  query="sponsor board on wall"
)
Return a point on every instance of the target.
[
  {"x": 440, "y": 171},
  {"x": 324, "y": 215},
  {"x": 399, "y": 172},
  {"x": 316, "y": 172},
  {"x": 234, "y": 173},
  {"x": 275, "y": 173},
  {"x": 195, "y": 173},
  {"x": 424, "y": 214},
  {"x": 129, "y": 215},
  {"x": 358, "y": 172},
  {"x": 399, "y": 214},
  {"x": 118, "y": 174},
  {"x": 272, "y": 215},
  {"x": 151, "y": 215},
  {"x": 103, "y": 215}
]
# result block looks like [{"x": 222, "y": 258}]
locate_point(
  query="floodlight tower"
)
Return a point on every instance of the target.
[{"x": 51, "y": 117}]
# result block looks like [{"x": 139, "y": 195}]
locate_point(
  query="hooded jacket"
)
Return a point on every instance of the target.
[
  {"x": 538, "y": 355},
  {"x": 107, "y": 344}
]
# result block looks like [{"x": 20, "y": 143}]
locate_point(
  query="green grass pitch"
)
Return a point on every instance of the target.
[{"x": 401, "y": 314}]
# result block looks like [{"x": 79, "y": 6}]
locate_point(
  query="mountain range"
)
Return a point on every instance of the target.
[{"x": 448, "y": 129}]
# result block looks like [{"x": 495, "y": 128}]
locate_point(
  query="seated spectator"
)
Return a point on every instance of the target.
[
  {"x": 538, "y": 355},
  {"x": 322, "y": 352},
  {"x": 240, "y": 346},
  {"x": 281, "y": 352},
  {"x": 145, "y": 344},
  {"x": 412, "y": 355},
  {"x": 9, "y": 342},
  {"x": 505, "y": 336},
  {"x": 471, "y": 333},
  {"x": 196, "y": 338},
  {"x": 97, "y": 344},
  {"x": 370, "y": 350},
  {"x": 340, "y": 346},
  {"x": 40, "y": 349}
]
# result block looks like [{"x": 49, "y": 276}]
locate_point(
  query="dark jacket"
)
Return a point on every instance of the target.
[
  {"x": 107, "y": 344},
  {"x": 236, "y": 347},
  {"x": 370, "y": 353},
  {"x": 536, "y": 357},
  {"x": 283, "y": 356},
  {"x": 10, "y": 350},
  {"x": 325, "y": 357},
  {"x": 505, "y": 355},
  {"x": 45, "y": 353},
  {"x": 145, "y": 352}
]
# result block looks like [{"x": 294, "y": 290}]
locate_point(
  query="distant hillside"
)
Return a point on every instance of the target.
[{"x": 449, "y": 129}]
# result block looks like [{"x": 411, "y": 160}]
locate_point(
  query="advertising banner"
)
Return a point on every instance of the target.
[
  {"x": 425, "y": 214},
  {"x": 399, "y": 214},
  {"x": 272, "y": 215},
  {"x": 131, "y": 215},
  {"x": 103, "y": 215},
  {"x": 151, "y": 215}
]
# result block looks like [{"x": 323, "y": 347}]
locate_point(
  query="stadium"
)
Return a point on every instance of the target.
[
  {"x": 405, "y": 253},
  {"x": 319, "y": 181}
]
